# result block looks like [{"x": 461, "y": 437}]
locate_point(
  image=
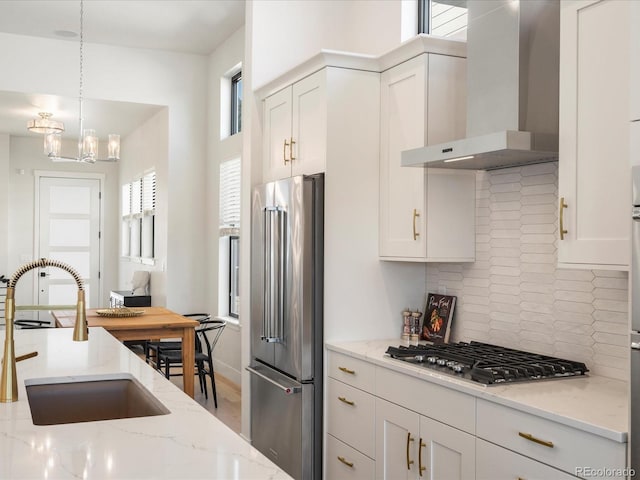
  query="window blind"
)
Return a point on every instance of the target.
[
  {"x": 230, "y": 197},
  {"x": 136, "y": 196},
  {"x": 149, "y": 192},
  {"x": 126, "y": 199}
]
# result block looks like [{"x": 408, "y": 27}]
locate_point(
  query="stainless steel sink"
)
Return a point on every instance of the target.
[{"x": 55, "y": 401}]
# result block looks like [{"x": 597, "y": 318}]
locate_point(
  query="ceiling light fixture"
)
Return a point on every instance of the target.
[
  {"x": 44, "y": 124},
  {"x": 88, "y": 140}
]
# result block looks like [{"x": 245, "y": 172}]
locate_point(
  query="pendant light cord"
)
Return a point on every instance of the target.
[{"x": 80, "y": 90}]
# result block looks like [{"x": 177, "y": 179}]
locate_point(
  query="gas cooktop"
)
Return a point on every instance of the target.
[{"x": 487, "y": 364}]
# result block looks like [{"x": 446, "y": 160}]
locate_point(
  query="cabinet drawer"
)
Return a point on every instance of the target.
[
  {"x": 440, "y": 403},
  {"x": 352, "y": 371},
  {"x": 566, "y": 448},
  {"x": 344, "y": 462},
  {"x": 494, "y": 462},
  {"x": 351, "y": 416}
]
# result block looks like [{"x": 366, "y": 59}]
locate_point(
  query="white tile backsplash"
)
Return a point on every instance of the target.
[{"x": 514, "y": 294}]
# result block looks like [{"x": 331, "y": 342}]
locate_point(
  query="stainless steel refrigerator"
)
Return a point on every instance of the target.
[
  {"x": 286, "y": 323},
  {"x": 634, "y": 401}
]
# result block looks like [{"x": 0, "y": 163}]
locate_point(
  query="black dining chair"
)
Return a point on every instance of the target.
[
  {"x": 207, "y": 336},
  {"x": 153, "y": 348}
]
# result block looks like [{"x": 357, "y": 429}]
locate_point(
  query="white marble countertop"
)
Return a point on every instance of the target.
[
  {"x": 188, "y": 443},
  {"x": 598, "y": 405}
]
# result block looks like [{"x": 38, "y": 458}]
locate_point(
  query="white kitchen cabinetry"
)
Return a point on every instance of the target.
[
  {"x": 414, "y": 446},
  {"x": 545, "y": 442},
  {"x": 594, "y": 175},
  {"x": 295, "y": 128},
  {"x": 425, "y": 214},
  {"x": 495, "y": 462},
  {"x": 350, "y": 419}
]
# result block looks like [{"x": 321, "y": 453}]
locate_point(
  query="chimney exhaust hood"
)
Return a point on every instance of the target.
[{"x": 513, "y": 50}]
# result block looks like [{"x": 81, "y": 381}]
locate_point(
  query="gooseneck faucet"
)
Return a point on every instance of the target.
[{"x": 9, "y": 380}]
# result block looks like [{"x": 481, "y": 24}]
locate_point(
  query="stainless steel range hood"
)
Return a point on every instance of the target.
[{"x": 512, "y": 89}]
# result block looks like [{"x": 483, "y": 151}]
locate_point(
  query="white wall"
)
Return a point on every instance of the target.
[
  {"x": 221, "y": 148},
  {"x": 25, "y": 156},
  {"x": 287, "y": 32},
  {"x": 143, "y": 150},
  {"x": 177, "y": 81},
  {"x": 4, "y": 205}
]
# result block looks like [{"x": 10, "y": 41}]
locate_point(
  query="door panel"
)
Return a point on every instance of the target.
[
  {"x": 69, "y": 227},
  {"x": 396, "y": 438}
]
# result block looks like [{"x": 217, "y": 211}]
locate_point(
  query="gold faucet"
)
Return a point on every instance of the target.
[{"x": 9, "y": 380}]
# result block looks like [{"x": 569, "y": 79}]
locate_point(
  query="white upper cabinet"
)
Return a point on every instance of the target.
[
  {"x": 594, "y": 176},
  {"x": 635, "y": 59},
  {"x": 295, "y": 129},
  {"x": 425, "y": 214}
]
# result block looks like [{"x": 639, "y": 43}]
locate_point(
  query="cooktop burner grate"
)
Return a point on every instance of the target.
[{"x": 486, "y": 363}]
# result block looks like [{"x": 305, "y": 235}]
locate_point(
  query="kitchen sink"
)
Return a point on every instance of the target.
[{"x": 59, "y": 400}]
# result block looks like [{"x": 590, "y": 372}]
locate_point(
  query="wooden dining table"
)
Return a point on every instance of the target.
[{"x": 154, "y": 323}]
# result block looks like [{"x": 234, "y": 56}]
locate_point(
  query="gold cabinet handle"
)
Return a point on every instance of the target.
[
  {"x": 531, "y": 438},
  {"x": 563, "y": 205},
  {"x": 344, "y": 400},
  {"x": 348, "y": 464},
  {"x": 416, "y": 234},
  {"x": 284, "y": 151},
  {"x": 293, "y": 142},
  {"x": 420, "y": 467},
  {"x": 346, "y": 370},
  {"x": 26, "y": 356},
  {"x": 409, "y": 461}
]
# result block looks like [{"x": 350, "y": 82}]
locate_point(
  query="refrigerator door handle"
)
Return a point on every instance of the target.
[
  {"x": 274, "y": 256},
  {"x": 635, "y": 345},
  {"x": 286, "y": 389}
]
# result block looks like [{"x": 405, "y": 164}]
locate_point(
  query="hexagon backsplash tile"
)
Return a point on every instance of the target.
[{"x": 514, "y": 295}]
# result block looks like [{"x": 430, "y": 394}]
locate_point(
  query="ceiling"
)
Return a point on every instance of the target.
[{"x": 185, "y": 26}]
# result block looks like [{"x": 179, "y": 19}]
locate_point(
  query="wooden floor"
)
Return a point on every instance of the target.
[{"x": 229, "y": 399}]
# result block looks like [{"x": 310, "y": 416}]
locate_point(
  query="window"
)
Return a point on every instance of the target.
[
  {"x": 234, "y": 276},
  {"x": 229, "y": 252},
  {"x": 138, "y": 218},
  {"x": 236, "y": 103},
  {"x": 443, "y": 18}
]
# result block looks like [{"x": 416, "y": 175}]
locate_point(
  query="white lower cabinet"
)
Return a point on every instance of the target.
[
  {"x": 567, "y": 449},
  {"x": 385, "y": 424},
  {"x": 409, "y": 445},
  {"x": 495, "y": 463},
  {"x": 345, "y": 462}
]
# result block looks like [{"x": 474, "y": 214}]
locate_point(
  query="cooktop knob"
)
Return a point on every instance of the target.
[
  {"x": 432, "y": 359},
  {"x": 441, "y": 361}
]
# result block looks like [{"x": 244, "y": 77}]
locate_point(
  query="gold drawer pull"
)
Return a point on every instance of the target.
[
  {"x": 415, "y": 232},
  {"x": 293, "y": 142},
  {"x": 563, "y": 205},
  {"x": 531, "y": 438},
  {"x": 344, "y": 400},
  {"x": 284, "y": 151},
  {"x": 346, "y": 370},
  {"x": 420, "y": 467},
  {"x": 348, "y": 464},
  {"x": 409, "y": 461}
]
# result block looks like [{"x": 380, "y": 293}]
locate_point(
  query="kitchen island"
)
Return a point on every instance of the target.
[{"x": 187, "y": 443}]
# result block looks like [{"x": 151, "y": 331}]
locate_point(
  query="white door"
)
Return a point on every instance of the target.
[
  {"x": 396, "y": 439},
  {"x": 402, "y": 190},
  {"x": 69, "y": 231},
  {"x": 309, "y": 125},
  {"x": 277, "y": 136},
  {"x": 594, "y": 180},
  {"x": 445, "y": 452}
]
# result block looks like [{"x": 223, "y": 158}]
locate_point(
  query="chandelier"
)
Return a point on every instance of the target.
[{"x": 88, "y": 139}]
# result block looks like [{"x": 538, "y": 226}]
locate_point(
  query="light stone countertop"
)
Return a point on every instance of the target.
[
  {"x": 188, "y": 443},
  {"x": 597, "y": 405}
]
